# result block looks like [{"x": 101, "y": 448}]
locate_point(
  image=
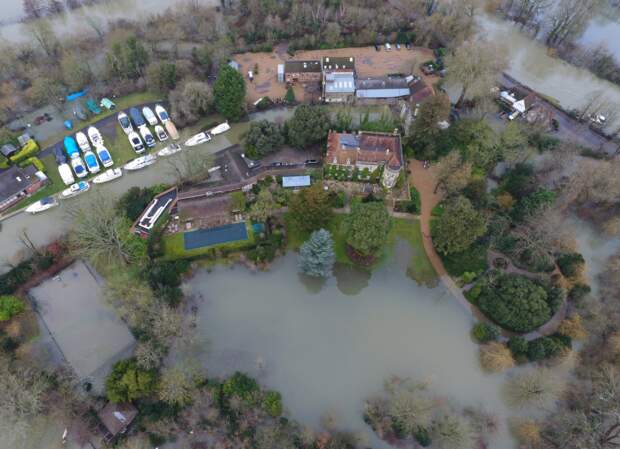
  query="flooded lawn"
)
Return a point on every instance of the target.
[{"x": 328, "y": 347}]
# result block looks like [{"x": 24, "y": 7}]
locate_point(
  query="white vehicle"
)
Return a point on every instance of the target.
[
  {"x": 78, "y": 166},
  {"x": 104, "y": 156},
  {"x": 66, "y": 174},
  {"x": 147, "y": 136},
  {"x": 141, "y": 162},
  {"x": 149, "y": 116},
  {"x": 136, "y": 142},
  {"x": 388, "y": 47},
  {"x": 125, "y": 123},
  {"x": 42, "y": 205},
  {"x": 75, "y": 189},
  {"x": 161, "y": 134},
  {"x": 95, "y": 136},
  {"x": 171, "y": 129},
  {"x": 108, "y": 175},
  {"x": 219, "y": 129},
  {"x": 162, "y": 114},
  {"x": 170, "y": 150},
  {"x": 82, "y": 142},
  {"x": 197, "y": 139}
]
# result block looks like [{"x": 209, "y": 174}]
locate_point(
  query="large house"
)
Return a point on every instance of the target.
[
  {"x": 369, "y": 150},
  {"x": 302, "y": 71},
  {"x": 17, "y": 183},
  {"x": 518, "y": 100}
]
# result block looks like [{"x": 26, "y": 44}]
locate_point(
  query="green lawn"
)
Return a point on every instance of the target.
[
  {"x": 121, "y": 103},
  {"x": 296, "y": 237},
  {"x": 420, "y": 268},
  {"x": 174, "y": 248}
]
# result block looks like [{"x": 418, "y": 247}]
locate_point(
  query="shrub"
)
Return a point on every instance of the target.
[
  {"x": 473, "y": 260},
  {"x": 571, "y": 264},
  {"x": 240, "y": 385},
  {"x": 10, "y": 306},
  {"x": 290, "y": 95},
  {"x": 518, "y": 346},
  {"x": 515, "y": 303},
  {"x": 33, "y": 161},
  {"x": 128, "y": 382},
  {"x": 272, "y": 403},
  {"x": 473, "y": 293},
  {"x": 578, "y": 292},
  {"x": 546, "y": 347},
  {"x": 495, "y": 357},
  {"x": 422, "y": 437},
  {"x": 484, "y": 332},
  {"x": 29, "y": 150}
]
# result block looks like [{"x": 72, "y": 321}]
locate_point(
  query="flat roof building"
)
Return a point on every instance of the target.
[
  {"x": 296, "y": 181},
  {"x": 302, "y": 71},
  {"x": 382, "y": 87}
]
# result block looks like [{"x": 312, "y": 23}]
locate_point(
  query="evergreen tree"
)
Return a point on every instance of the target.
[
  {"x": 316, "y": 255},
  {"x": 309, "y": 126},
  {"x": 229, "y": 91}
]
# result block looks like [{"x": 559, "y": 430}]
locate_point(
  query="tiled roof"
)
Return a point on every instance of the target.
[{"x": 372, "y": 148}]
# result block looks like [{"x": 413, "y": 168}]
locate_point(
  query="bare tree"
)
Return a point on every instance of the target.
[
  {"x": 568, "y": 20},
  {"x": 452, "y": 173},
  {"x": 176, "y": 385},
  {"x": 451, "y": 431},
  {"x": 474, "y": 66},
  {"x": 538, "y": 388},
  {"x": 190, "y": 165},
  {"x": 495, "y": 357}
]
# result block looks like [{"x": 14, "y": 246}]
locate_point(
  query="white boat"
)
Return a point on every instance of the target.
[
  {"x": 148, "y": 138},
  {"x": 219, "y": 129},
  {"x": 125, "y": 123},
  {"x": 91, "y": 162},
  {"x": 109, "y": 175},
  {"x": 42, "y": 205},
  {"x": 149, "y": 116},
  {"x": 161, "y": 134},
  {"x": 140, "y": 162},
  {"x": 75, "y": 189},
  {"x": 66, "y": 174},
  {"x": 171, "y": 129},
  {"x": 170, "y": 149},
  {"x": 104, "y": 156},
  {"x": 197, "y": 139},
  {"x": 95, "y": 136},
  {"x": 162, "y": 114},
  {"x": 82, "y": 142},
  {"x": 78, "y": 166}
]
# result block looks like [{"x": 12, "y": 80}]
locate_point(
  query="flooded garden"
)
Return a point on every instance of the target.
[{"x": 328, "y": 347}]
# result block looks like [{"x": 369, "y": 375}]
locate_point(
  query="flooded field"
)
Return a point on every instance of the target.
[{"x": 327, "y": 347}]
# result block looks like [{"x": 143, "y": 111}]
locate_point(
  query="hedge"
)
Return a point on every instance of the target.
[
  {"x": 30, "y": 149},
  {"x": 10, "y": 306},
  {"x": 33, "y": 161}
]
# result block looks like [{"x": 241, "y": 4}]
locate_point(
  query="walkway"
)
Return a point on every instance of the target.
[{"x": 424, "y": 181}]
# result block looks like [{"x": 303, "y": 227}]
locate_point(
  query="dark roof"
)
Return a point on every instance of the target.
[
  {"x": 366, "y": 147},
  {"x": 385, "y": 82},
  {"x": 14, "y": 180},
  {"x": 420, "y": 91},
  {"x": 116, "y": 423},
  {"x": 8, "y": 149},
  {"x": 302, "y": 66},
  {"x": 339, "y": 63}
]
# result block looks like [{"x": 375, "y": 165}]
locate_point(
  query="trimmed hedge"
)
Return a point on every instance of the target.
[
  {"x": 30, "y": 149},
  {"x": 472, "y": 260}
]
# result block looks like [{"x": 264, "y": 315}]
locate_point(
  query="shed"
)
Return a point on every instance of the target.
[
  {"x": 234, "y": 65},
  {"x": 8, "y": 150},
  {"x": 116, "y": 419},
  {"x": 280, "y": 73},
  {"x": 296, "y": 181},
  {"x": 383, "y": 87}
]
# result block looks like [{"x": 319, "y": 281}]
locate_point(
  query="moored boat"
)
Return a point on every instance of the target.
[
  {"x": 104, "y": 156},
  {"x": 162, "y": 114},
  {"x": 170, "y": 150},
  {"x": 219, "y": 129},
  {"x": 108, "y": 175},
  {"x": 171, "y": 129},
  {"x": 42, "y": 205},
  {"x": 82, "y": 141},
  {"x": 197, "y": 139},
  {"x": 95, "y": 136},
  {"x": 75, "y": 189},
  {"x": 140, "y": 162},
  {"x": 161, "y": 134},
  {"x": 91, "y": 162}
]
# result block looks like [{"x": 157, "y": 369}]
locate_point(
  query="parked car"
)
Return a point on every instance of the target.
[
  {"x": 377, "y": 47},
  {"x": 136, "y": 142},
  {"x": 397, "y": 46},
  {"x": 408, "y": 46},
  {"x": 388, "y": 47},
  {"x": 312, "y": 162}
]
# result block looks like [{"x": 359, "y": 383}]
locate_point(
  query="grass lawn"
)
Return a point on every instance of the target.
[
  {"x": 121, "y": 103},
  {"x": 120, "y": 148},
  {"x": 174, "y": 247},
  {"x": 420, "y": 268},
  {"x": 295, "y": 237}
]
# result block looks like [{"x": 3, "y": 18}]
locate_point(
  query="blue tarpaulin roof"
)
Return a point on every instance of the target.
[
  {"x": 296, "y": 181},
  {"x": 76, "y": 95}
]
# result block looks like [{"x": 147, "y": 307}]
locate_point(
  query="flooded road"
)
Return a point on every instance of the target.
[{"x": 327, "y": 348}]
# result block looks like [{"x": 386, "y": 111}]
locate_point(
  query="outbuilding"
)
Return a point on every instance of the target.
[{"x": 295, "y": 182}]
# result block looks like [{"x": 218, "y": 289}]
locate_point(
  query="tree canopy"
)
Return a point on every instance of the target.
[
  {"x": 316, "y": 255},
  {"x": 308, "y": 126},
  {"x": 263, "y": 137},
  {"x": 310, "y": 209},
  {"x": 458, "y": 227},
  {"x": 229, "y": 91},
  {"x": 367, "y": 228},
  {"x": 127, "y": 382}
]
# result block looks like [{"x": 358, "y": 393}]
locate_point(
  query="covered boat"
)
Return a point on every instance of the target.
[
  {"x": 171, "y": 129},
  {"x": 125, "y": 123},
  {"x": 42, "y": 205},
  {"x": 219, "y": 129},
  {"x": 162, "y": 114},
  {"x": 108, "y": 175},
  {"x": 78, "y": 166},
  {"x": 71, "y": 147},
  {"x": 82, "y": 141},
  {"x": 140, "y": 162},
  {"x": 91, "y": 162},
  {"x": 104, "y": 156},
  {"x": 136, "y": 117},
  {"x": 197, "y": 139},
  {"x": 95, "y": 136},
  {"x": 75, "y": 189}
]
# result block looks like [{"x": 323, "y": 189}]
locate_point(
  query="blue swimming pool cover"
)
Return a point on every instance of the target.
[{"x": 215, "y": 236}]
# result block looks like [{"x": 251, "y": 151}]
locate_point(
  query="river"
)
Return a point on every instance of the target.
[{"x": 328, "y": 348}]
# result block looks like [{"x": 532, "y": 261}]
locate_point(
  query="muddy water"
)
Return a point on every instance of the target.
[{"x": 327, "y": 347}]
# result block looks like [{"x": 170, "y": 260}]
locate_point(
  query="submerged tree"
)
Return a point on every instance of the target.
[
  {"x": 310, "y": 209},
  {"x": 451, "y": 431},
  {"x": 316, "y": 255},
  {"x": 537, "y": 388},
  {"x": 458, "y": 227},
  {"x": 367, "y": 228}
]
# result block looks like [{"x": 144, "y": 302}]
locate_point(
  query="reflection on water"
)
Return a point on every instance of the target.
[{"x": 328, "y": 345}]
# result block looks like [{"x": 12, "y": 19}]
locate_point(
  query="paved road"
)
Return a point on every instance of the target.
[{"x": 570, "y": 129}]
